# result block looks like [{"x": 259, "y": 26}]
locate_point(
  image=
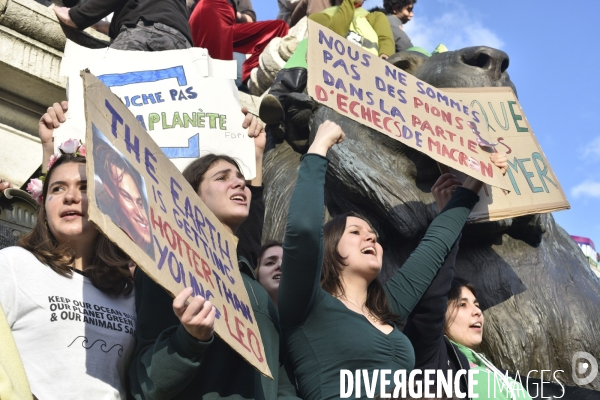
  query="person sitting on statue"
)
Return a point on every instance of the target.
[
  {"x": 144, "y": 25},
  {"x": 398, "y": 13},
  {"x": 299, "y": 9},
  {"x": 227, "y": 26},
  {"x": 371, "y": 31}
]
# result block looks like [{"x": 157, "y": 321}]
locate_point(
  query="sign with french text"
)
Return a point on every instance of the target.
[
  {"x": 534, "y": 188},
  {"x": 140, "y": 200},
  {"x": 184, "y": 99},
  {"x": 377, "y": 94}
]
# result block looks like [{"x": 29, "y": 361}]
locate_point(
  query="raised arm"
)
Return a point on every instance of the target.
[
  {"x": 250, "y": 231},
  {"x": 385, "y": 36},
  {"x": 303, "y": 242},
  {"x": 425, "y": 325},
  {"x": 405, "y": 289},
  {"x": 54, "y": 116}
]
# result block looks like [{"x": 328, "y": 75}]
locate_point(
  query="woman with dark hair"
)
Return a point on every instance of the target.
[
  {"x": 67, "y": 292},
  {"x": 445, "y": 327},
  {"x": 398, "y": 13},
  {"x": 268, "y": 268},
  {"x": 177, "y": 356},
  {"x": 350, "y": 322}
]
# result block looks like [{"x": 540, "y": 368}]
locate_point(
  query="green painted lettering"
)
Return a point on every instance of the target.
[
  {"x": 528, "y": 175},
  {"x": 152, "y": 119},
  {"x": 212, "y": 120},
  {"x": 542, "y": 172},
  {"x": 516, "y": 117}
]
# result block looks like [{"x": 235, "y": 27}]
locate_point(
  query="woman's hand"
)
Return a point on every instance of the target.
[
  {"x": 501, "y": 161},
  {"x": 256, "y": 130},
  {"x": 4, "y": 185},
  {"x": 329, "y": 133},
  {"x": 251, "y": 121},
  {"x": 196, "y": 315},
  {"x": 443, "y": 189},
  {"x": 54, "y": 116},
  {"x": 62, "y": 13}
]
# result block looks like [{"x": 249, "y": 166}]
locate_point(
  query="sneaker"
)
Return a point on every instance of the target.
[{"x": 270, "y": 110}]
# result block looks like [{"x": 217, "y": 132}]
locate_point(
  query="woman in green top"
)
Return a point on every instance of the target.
[
  {"x": 350, "y": 322},
  {"x": 464, "y": 328}
]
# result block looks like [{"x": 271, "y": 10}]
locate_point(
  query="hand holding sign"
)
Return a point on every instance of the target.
[
  {"x": 501, "y": 161},
  {"x": 190, "y": 248},
  {"x": 251, "y": 122},
  {"x": 443, "y": 189},
  {"x": 475, "y": 184},
  {"x": 256, "y": 130},
  {"x": 196, "y": 314}
]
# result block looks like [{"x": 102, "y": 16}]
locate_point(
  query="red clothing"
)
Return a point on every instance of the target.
[{"x": 214, "y": 27}]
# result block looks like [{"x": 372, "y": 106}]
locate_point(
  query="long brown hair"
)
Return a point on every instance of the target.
[
  {"x": 333, "y": 264},
  {"x": 108, "y": 269}
]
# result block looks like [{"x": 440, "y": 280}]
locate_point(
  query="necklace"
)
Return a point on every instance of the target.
[{"x": 370, "y": 315}]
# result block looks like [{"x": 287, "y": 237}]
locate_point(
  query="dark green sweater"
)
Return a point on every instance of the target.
[
  {"x": 169, "y": 363},
  {"x": 321, "y": 334}
]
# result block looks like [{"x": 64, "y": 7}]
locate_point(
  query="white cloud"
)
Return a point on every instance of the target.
[
  {"x": 592, "y": 149},
  {"x": 456, "y": 29},
  {"x": 587, "y": 188}
]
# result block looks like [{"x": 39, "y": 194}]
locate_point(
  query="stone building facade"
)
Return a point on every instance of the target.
[{"x": 31, "y": 49}]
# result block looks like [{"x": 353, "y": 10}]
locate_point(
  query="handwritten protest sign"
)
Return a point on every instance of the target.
[
  {"x": 373, "y": 92},
  {"x": 534, "y": 187},
  {"x": 142, "y": 202},
  {"x": 186, "y": 101}
]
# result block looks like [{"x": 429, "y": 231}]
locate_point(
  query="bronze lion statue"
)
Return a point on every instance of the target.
[{"x": 540, "y": 299}]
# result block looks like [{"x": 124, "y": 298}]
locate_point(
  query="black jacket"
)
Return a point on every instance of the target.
[
  {"x": 250, "y": 232},
  {"x": 425, "y": 326},
  {"x": 172, "y": 13}
]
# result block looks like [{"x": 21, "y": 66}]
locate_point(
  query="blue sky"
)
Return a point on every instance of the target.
[{"x": 555, "y": 65}]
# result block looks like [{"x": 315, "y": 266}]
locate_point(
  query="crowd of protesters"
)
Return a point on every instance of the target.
[{"x": 330, "y": 311}]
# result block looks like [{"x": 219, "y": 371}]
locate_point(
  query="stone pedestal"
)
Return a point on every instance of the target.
[{"x": 31, "y": 48}]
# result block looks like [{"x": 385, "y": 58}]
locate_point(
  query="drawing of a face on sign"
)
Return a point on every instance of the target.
[{"x": 121, "y": 193}]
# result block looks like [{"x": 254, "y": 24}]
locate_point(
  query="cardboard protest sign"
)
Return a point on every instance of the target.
[
  {"x": 371, "y": 91},
  {"x": 534, "y": 186},
  {"x": 141, "y": 201},
  {"x": 185, "y": 100}
]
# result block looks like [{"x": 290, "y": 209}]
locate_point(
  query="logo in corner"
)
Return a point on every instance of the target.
[{"x": 584, "y": 372}]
